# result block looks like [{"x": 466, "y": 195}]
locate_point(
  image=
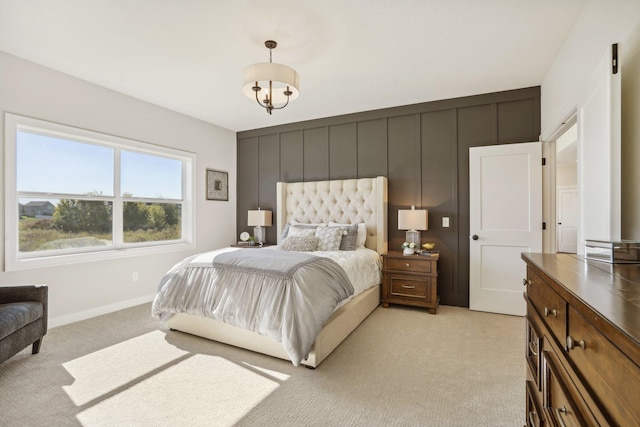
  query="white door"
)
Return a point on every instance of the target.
[
  {"x": 599, "y": 162},
  {"x": 505, "y": 220},
  {"x": 567, "y": 203}
]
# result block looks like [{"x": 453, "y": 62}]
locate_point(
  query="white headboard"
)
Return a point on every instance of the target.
[{"x": 347, "y": 201}]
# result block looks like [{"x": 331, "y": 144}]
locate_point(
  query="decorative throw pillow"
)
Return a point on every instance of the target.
[
  {"x": 329, "y": 238},
  {"x": 299, "y": 244},
  {"x": 301, "y": 231},
  {"x": 350, "y": 239},
  {"x": 288, "y": 226}
]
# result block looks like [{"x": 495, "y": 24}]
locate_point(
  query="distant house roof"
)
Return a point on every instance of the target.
[{"x": 36, "y": 204}]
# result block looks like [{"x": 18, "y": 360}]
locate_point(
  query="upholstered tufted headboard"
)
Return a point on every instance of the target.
[{"x": 348, "y": 201}]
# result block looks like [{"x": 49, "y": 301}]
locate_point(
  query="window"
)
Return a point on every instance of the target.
[{"x": 74, "y": 195}]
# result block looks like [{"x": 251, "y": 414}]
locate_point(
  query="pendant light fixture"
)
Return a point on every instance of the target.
[{"x": 272, "y": 85}]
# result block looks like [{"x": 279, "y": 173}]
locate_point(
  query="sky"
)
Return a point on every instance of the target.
[{"x": 51, "y": 165}]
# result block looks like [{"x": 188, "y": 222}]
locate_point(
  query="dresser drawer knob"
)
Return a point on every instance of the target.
[
  {"x": 572, "y": 343},
  {"x": 548, "y": 311},
  {"x": 559, "y": 412},
  {"x": 533, "y": 416},
  {"x": 407, "y": 264},
  {"x": 526, "y": 282},
  {"x": 408, "y": 287}
]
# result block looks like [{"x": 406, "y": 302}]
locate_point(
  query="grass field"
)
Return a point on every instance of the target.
[{"x": 39, "y": 235}]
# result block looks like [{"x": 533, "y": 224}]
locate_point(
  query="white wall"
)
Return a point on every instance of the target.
[
  {"x": 87, "y": 289},
  {"x": 601, "y": 23},
  {"x": 631, "y": 139},
  {"x": 566, "y": 175}
]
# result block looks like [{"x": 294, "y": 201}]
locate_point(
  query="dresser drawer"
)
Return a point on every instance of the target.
[
  {"x": 533, "y": 349},
  {"x": 549, "y": 304},
  {"x": 406, "y": 286},
  {"x": 613, "y": 378},
  {"x": 559, "y": 405},
  {"x": 410, "y": 263},
  {"x": 535, "y": 417}
]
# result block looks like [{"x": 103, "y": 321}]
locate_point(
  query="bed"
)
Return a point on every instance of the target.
[{"x": 354, "y": 201}]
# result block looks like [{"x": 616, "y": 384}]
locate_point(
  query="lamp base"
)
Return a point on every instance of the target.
[
  {"x": 413, "y": 236},
  {"x": 258, "y": 235}
]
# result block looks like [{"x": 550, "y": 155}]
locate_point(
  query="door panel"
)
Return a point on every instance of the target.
[
  {"x": 505, "y": 220},
  {"x": 567, "y": 203}
]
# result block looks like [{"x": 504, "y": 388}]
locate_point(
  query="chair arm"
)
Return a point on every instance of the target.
[{"x": 23, "y": 293}]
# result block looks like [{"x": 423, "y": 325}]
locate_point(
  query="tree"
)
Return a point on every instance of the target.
[
  {"x": 82, "y": 215},
  {"x": 157, "y": 217},
  {"x": 172, "y": 211},
  {"x": 134, "y": 216}
]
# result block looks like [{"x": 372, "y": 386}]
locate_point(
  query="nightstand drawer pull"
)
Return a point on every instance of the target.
[
  {"x": 407, "y": 264},
  {"x": 548, "y": 311},
  {"x": 409, "y": 287}
]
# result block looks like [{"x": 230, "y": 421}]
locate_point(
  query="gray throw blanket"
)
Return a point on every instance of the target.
[{"x": 287, "y": 296}]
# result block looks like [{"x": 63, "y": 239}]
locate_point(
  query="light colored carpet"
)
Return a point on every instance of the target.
[{"x": 401, "y": 367}]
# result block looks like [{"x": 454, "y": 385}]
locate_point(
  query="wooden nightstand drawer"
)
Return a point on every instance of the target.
[
  {"x": 408, "y": 286},
  {"x": 410, "y": 263}
]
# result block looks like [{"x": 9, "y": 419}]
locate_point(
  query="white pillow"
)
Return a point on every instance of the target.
[
  {"x": 362, "y": 234},
  {"x": 329, "y": 238},
  {"x": 308, "y": 224}
]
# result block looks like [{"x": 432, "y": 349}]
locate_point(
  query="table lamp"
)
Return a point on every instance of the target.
[
  {"x": 259, "y": 219},
  {"x": 412, "y": 221}
]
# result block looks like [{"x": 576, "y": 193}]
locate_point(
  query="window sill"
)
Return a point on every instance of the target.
[{"x": 60, "y": 260}]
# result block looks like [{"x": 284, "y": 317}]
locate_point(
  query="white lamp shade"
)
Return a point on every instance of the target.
[
  {"x": 280, "y": 75},
  {"x": 414, "y": 219},
  {"x": 259, "y": 218}
]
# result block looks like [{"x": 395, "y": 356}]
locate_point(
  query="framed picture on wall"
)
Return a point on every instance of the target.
[{"x": 217, "y": 185}]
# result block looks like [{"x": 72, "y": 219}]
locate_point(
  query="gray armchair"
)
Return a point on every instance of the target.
[{"x": 23, "y": 318}]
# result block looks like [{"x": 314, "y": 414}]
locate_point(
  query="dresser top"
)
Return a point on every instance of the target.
[{"x": 610, "y": 290}]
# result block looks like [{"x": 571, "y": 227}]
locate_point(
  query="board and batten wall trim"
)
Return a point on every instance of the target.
[{"x": 423, "y": 150}]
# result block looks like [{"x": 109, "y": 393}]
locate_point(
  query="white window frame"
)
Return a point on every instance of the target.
[{"x": 14, "y": 260}]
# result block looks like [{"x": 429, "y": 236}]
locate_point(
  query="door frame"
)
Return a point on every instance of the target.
[{"x": 549, "y": 216}]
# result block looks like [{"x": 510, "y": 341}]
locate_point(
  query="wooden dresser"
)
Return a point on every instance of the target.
[
  {"x": 410, "y": 280},
  {"x": 582, "y": 342}
]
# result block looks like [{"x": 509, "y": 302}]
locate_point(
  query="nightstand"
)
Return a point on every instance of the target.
[{"x": 410, "y": 280}]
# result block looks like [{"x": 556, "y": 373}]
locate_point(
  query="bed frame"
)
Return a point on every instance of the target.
[{"x": 348, "y": 201}]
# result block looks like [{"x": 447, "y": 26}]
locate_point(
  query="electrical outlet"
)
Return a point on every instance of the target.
[
  {"x": 135, "y": 276},
  {"x": 445, "y": 221}
]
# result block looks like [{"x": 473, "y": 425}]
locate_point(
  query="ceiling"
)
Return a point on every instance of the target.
[{"x": 352, "y": 56}]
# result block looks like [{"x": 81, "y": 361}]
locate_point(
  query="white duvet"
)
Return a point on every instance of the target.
[
  {"x": 248, "y": 293},
  {"x": 363, "y": 266}
]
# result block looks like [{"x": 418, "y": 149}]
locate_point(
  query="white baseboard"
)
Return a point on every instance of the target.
[{"x": 98, "y": 311}]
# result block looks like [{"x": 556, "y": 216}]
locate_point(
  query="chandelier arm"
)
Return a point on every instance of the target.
[
  {"x": 280, "y": 108},
  {"x": 258, "y": 100}
]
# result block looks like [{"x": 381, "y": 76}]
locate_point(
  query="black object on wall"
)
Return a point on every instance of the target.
[{"x": 422, "y": 149}]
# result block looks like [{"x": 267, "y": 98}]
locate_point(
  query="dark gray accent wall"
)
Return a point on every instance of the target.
[{"x": 423, "y": 150}]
